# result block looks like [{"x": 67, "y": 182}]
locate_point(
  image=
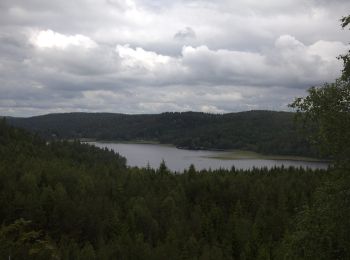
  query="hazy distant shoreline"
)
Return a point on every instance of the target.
[{"x": 222, "y": 154}]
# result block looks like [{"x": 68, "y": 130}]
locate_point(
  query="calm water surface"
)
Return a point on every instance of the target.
[{"x": 177, "y": 159}]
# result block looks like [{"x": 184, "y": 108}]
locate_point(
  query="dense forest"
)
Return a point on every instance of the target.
[
  {"x": 265, "y": 132},
  {"x": 67, "y": 200}
]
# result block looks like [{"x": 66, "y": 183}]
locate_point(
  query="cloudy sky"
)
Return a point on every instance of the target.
[{"x": 150, "y": 56}]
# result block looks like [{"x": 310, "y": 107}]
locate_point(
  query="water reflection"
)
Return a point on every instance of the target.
[{"x": 177, "y": 159}]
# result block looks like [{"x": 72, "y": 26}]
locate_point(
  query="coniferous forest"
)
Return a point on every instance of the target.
[{"x": 68, "y": 200}]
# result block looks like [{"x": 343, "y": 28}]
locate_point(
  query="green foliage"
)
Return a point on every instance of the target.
[
  {"x": 84, "y": 203},
  {"x": 321, "y": 229},
  {"x": 19, "y": 241},
  {"x": 326, "y": 112}
]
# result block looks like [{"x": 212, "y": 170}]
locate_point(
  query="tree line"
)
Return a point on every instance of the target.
[{"x": 266, "y": 132}]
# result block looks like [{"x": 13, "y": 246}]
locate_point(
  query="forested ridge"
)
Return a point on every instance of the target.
[
  {"x": 67, "y": 200},
  {"x": 267, "y": 132}
]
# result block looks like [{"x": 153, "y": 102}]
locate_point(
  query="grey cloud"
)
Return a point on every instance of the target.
[
  {"x": 185, "y": 34},
  {"x": 246, "y": 55}
]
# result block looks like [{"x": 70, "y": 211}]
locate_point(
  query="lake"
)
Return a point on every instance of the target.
[{"x": 178, "y": 159}]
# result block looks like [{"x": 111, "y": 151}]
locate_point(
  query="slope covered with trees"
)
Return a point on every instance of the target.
[
  {"x": 266, "y": 132},
  {"x": 66, "y": 200}
]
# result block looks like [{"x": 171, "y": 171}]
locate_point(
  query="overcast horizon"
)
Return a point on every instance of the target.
[{"x": 154, "y": 56}]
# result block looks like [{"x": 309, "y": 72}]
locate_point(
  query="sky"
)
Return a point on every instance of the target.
[{"x": 152, "y": 56}]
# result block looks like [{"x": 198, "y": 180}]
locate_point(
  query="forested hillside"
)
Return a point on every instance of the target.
[
  {"x": 266, "y": 132},
  {"x": 66, "y": 200}
]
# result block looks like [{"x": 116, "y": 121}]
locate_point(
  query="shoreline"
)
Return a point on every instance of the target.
[
  {"x": 248, "y": 155},
  {"x": 230, "y": 154}
]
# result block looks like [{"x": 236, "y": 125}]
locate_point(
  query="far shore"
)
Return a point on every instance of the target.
[
  {"x": 229, "y": 154},
  {"x": 123, "y": 141},
  {"x": 243, "y": 154}
]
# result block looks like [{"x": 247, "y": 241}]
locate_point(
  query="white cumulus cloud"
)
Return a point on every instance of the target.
[{"x": 51, "y": 39}]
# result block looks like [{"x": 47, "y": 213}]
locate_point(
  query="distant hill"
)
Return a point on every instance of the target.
[{"x": 267, "y": 132}]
